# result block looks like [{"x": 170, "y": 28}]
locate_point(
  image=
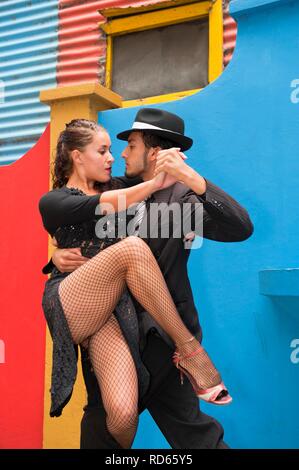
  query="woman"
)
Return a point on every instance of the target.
[{"x": 79, "y": 306}]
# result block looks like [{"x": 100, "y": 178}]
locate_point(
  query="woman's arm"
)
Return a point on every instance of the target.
[
  {"x": 118, "y": 200},
  {"x": 60, "y": 207}
]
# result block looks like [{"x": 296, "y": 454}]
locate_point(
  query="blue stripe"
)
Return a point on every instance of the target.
[{"x": 28, "y": 61}]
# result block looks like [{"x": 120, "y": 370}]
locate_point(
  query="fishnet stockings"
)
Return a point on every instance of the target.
[
  {"x": 90, "y": 294},
  {"x": 116, "y": 374}
]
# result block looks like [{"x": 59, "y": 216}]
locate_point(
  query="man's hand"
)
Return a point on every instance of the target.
[
  {"x": 172, "y": 162},
  {"x": 67, "y": 260}
]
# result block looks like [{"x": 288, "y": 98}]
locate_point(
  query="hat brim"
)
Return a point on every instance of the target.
[{"x": 185, "y": 143}]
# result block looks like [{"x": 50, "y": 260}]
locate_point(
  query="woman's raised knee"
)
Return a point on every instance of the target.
[
  {"x": 132, "y": 252},
  {"x": 134, "y": 241},
  {"x": 137, "y": 243}
]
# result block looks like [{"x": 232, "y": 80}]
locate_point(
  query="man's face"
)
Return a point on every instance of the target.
[{"x": 136, "y": 155}]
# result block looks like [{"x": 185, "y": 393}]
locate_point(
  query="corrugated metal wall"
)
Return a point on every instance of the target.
[
  {"x": 82, "y": 56},
  {"x": 48, "y": 42},
  {"x": 229, "y": 34},
  {"x": 82, "y": 47},
  {"x": 82, "y": 44},
  {"x": 28, "y": 55}
]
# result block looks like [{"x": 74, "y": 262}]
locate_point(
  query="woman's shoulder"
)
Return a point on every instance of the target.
[
  {"x": 50, "y": 196},
  {"x": 58, "y": 194},
  {"x": 55, "y": 198}
]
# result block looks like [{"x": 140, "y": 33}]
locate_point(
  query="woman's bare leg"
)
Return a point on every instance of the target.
[{"x": 116, "y": 374}]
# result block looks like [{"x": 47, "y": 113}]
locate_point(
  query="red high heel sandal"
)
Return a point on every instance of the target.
[{"x": 218, "y": 395}]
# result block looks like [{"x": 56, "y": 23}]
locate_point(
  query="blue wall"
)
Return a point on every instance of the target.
[{"x": 246, "y": 132}]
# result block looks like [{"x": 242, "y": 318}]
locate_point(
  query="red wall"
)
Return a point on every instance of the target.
[{"x": 23, "y": 250}]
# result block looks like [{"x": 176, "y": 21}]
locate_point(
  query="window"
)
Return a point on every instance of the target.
[{"x": 155, "y": 56}]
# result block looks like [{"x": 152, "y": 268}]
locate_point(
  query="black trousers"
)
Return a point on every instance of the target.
[{"x": 174, "y": 407}]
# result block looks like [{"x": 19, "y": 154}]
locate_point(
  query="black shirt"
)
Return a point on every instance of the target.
[{"x": 61, "y": 207}]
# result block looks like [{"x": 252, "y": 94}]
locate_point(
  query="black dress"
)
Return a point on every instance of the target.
[{"x": 71, "y": 216}]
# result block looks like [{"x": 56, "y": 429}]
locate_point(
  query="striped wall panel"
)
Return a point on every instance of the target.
[
  {"x": 45, "y": 43},
  {"x": 229, "y": 34},
  {"x": 82, "y": 46},
  {"x": 28, "y": 56}
]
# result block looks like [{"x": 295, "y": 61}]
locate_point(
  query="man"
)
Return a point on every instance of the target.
[{"x": 155, "y": 142}]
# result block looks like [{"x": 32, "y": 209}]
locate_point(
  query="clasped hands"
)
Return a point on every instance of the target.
[{"x": 170, "y": 167}]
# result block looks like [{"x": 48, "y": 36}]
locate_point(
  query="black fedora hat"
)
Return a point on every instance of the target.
[{"x": 159, "y": 122}]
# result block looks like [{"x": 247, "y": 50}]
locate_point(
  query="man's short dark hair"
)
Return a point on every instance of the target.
[{"x": 153, "y": 140}]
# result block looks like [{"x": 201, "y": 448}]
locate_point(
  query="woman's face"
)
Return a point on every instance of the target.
[{"x": 96, "y": 159}]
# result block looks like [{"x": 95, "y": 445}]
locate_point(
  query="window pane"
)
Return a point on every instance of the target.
[{"x": 163, "y": 60}]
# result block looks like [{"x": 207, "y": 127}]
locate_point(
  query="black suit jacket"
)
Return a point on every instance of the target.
[{"x": 223, "y": 219}]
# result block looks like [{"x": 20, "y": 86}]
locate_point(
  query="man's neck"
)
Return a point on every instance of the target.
[{"x": 148, "y": 175}]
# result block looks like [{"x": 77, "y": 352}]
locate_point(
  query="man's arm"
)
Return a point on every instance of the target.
[{"x": 224, "y": 219}]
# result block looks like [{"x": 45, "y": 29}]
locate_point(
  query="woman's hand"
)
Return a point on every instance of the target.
[{"x": 162, "y": 181}]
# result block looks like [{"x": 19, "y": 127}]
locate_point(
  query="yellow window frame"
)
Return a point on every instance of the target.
[{"x": 116, "y": 26}]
